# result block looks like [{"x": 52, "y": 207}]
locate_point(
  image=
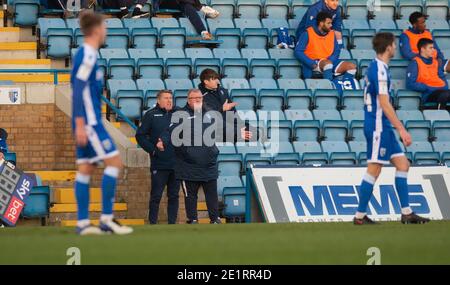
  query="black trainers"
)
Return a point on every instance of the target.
[
  {"x": 122, "y": 14},
  {"x": 192, "y": 222},
  {"x": 217, "y": 221},
  {"x": 137, "y": 13},
  {"x": 364, "y": 221},
  {"x": 413, "y": 219}
]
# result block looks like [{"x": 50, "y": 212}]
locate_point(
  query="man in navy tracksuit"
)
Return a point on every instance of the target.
[
  {"x": 196, "y": 155},
  {"x": 148, "y": 136}
]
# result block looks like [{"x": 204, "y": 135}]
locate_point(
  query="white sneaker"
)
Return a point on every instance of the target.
[
  {"x": 210, "y": 12},
  {"x": 89, "y": 230},
  {"x": 113, "y": 226}
]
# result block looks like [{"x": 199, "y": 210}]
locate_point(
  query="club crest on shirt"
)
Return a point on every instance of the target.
[
  {"x": 382, "y": 151},
  {"x": 107, "y": 144}
]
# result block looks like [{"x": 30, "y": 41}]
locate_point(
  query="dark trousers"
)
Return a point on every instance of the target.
[
  {"x": 161, "y": 178},
  {"x": 117, "y": 4},
  {"x": 441, "y": 97},
  {"x": 188, "y": 10},
  {"x": 190, "y": 189}
]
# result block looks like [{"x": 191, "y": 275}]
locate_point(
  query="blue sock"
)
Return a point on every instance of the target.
[
  {"x": 328, "y": 72},
  {"x": 366, "y": 190},
  {"x": 401, "y": 184},
  {"x": 109, "y": 182},
  {"x": 82, "y": 195}
]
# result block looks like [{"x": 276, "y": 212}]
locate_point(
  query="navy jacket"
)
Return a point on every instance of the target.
[
  {"x": 193, "y": 162},
  {"x": 3, "y": 137},
  {"x": 153, "y": 124}
]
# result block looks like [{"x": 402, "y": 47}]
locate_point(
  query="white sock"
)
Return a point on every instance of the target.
[
  {"x": 106, "y": 218},
  {"x": 406, "y": 211},
  {"x": 83, "y": 223},
  {"x": 123, "y": 8},
  {"x": 139, "y": 6},
  {"x": 360, "y": 215}
]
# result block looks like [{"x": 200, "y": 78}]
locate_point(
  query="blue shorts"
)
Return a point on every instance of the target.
[
  {"x": 100, "y": 146},
  {"x": 382, "y": 146}
]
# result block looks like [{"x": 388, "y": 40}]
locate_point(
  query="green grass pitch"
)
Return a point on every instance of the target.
[{"x": 307, "y": 243}]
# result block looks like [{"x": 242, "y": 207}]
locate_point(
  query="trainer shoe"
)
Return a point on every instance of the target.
[
  {"x": 115, "y": 227},
  {"x": 364, "y": 221},
  {"x": 413, "y": 219},
  {"x": 192, "y": 222},
  {"x": 210, "y": 12},
  {"x": 206, "y": 35},
  {"x": 216, "y": 221},
  {"x": 89, "y": 230},
  {"x": 137, "y": 13},
  {"x": 122, "y": 14}
]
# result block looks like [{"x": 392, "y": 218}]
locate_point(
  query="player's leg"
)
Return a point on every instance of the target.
[
  {"x": 212, "y": 200},
  {"x": 173, "y": 190},
  {"x": 326, "y": 67},
  {"x": 159, "y": 181},
  {"x": 345, "y": 66},
  {"x": 366, "y": 190},
  {"x": 401, "y": 164},
  {"x": 190, "y": 189}
]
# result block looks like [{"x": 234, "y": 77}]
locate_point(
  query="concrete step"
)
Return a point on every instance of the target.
[
  {"x": 126, "y": 222},
  {"x": 24, "y": 50},
  {"x": 34, "y": 77},
  {"x": 56, "y": 218},
  {"x": 67, "y": 195},
  {"x": 93, "y": 207},
  {"x": 206, "y": 221},
  {"x": 25, "y": 64},
  {"x": 9, "y": 34}
]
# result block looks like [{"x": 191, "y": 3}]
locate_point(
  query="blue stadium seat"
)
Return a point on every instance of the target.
[
  {"x": 441, "y": 146},
  {"x": 353, "y": 99},
  {"x": 278, "y": 53},
  {"x": 114, "y": 85},
  {"x": 397, "y": 84},
  {"x": 386, "y": 10},
  {"x": 273, "y": 115},
  {"x": 130, "y": 103},
  {"x": 38, "y": 203},
  {"x": 362, "y": 159},
  {"x": 189, "y": 28},
  {"x": 225, "y": 7},
  {"x": 138, "y": 53},
  {"x": 407, "y": 7},
  {"x": 144, "y": 38},
  {"x": 397, "y": 68},
  {"x": 298, "y": 115},
  {"x": 442, "y": 38},
  {"x": 293, "y": 23},
  {"x": 326, "y": 99},
  {"x": 345, "y": 54},
  {"x": 441, "y": 131},
  {"x": 298, "y": 99},
  {"x": 25, "y": 13},
  {"x": 381, "y": 24},
  {"x": 150, "y": 99},
  {"x": 235, "y": 83},
  {"x": 136, "y": 23},
  {"x": 252, "y": 147},
  {"x": 231, "y": 37},
  {"x": 172, "y": 37},
  {"x": 436, "y": 115},
  {"x": 222, "y": 53},
  {"x": 334, "y": 130},
  {"x": 227, "y": 181},
  {"x": 356, "y": 9},
  {"x": 315, "y": 158},
  {"x": 403, "y": 24},
  {"x": 437, "y": 24},
  {"x": 446, "y": 158},
  {"x": 10, "y": 157},
  {"x": 151, "y": 84},
  {"x": 273, "y": 148},
  {"x": 406, "y": 115},
  {"x": 357, "y": 130},
  {"x": 245, "y": 98},
  {"x": 343, "y": 158},
  {"x": 322, "y": 115},
  {"x": 121, "y": 68},
  {"x": 276, "y": 9},
  {"x": 220, "y": 22},
  {"x": 243, "y": 23},
  {"x": 203, "y": 63},
  {"x": 274, "y": 23},
  {"x": 179, "y": 84},
  {"x": 314, "y": 84},
  {"x": 256, "y": 159},
  {"x": 59, "y": 42},
  {"x": 263, "y": 68},
  {"x": 248, "y": 116},
  {"x": 287, "y": 84},
  {"x": 263, "y": 83},
  {"x": 306, "y": 146},
  {"x": 287, "y": 159},
  {"x": 361, "y": 54},
  {"x": 103, "y": 67},
  {"x": 257, "y": 38},
  {"x": 150, "y": 68},
  {"x": 178, "y": 68},
  {"x": 160, "y": 23},
  {"x": 419, "y": 130},
  {"x": 357, "y": 24},
  {"x": 170, "y": 53},
  {"x": 350, "y": 115},
  {"x": 108, "y": 53},
  {"x": 249, "y": 9},
  {"x": 234, "y": 199},
  {"x": 408, "y": 100},
  {"x": 436, "y": 9},
  {"x": 419, "y": 146},
  {"x": 271, "y": 99},
  {"x": 357, "y": 146},
  {"x": 113, "y": 23},
  {"x": 194, "y": 53},
  {"x": 334, "y": 146},
  {"x": 235, "y": 67},
  {"x": 306, "y": 130},
  {"x": 73, "y": 23},
  {"x": 427, "y": 158},
  {"x": 226, "y": 148},
  {"x": 250, "y": 53},
  {"x": 279, "y": 131},
  {"x": 180, "y": 97},
  {"x": 299, "y": 7},
  {"x": 362, "y": 39},
  {"x": 117, "y": 38},
  {"x": 289, "y": 68}
]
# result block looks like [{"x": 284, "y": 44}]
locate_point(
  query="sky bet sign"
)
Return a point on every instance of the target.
[
  {"x": 15, "y": 187},
  {"x": 328, "y": 194}
]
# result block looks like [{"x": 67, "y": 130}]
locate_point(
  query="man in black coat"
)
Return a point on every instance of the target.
[
  {"x": 162, "y": 156},
  {"x": 192, "y": 135}
]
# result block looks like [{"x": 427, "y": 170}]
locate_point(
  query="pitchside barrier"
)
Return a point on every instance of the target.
[{"x": 278, "y": 194}]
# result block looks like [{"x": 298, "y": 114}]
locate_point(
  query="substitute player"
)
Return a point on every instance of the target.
[
  {"x": 382, "y": 145},
  {"x": 93, "y": 142}
]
